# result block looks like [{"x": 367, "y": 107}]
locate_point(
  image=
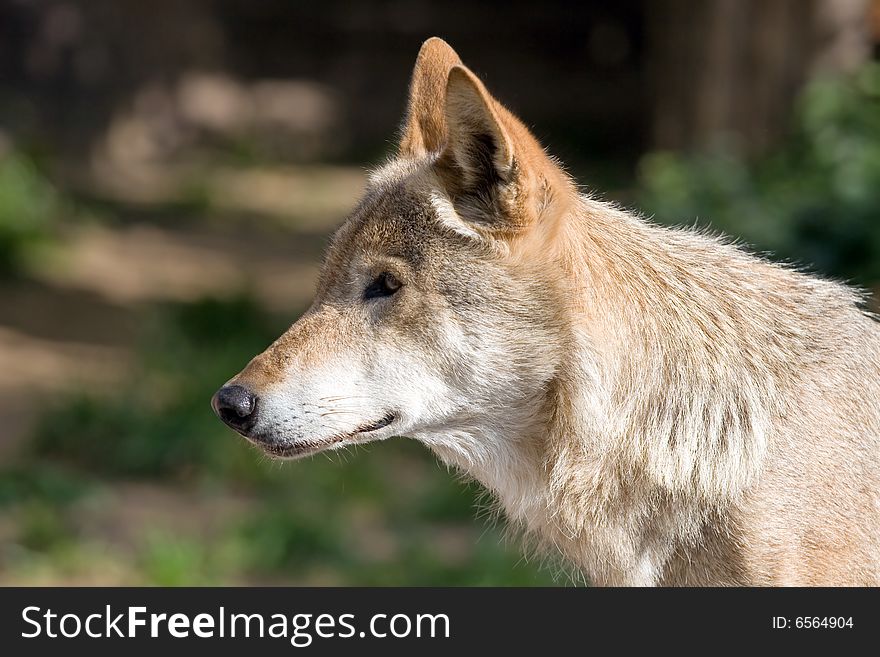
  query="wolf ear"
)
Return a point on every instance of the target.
[
  {"x": 494, "y": 170},
  {"x": 478, "y": 143},
  {"x": 424, "y": 130}
]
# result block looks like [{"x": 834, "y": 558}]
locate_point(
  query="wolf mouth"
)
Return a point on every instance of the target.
[
  {"x": 378, "y": 424},
  {"x": 307, "y": 448}
]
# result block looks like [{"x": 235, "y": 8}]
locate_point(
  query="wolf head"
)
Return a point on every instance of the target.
[{"x": 433, "y": 317}]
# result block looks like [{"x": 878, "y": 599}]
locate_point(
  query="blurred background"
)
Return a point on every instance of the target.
[{"x": 170, "y": 172}]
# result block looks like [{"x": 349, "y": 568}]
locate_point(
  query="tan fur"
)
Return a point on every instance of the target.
[
  {"x": 425, "y": 125},
  {"x": 659, "y": 405}
]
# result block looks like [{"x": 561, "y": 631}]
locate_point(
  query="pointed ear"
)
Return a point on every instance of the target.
[
  {"x": 424, "y": 129},
  {"x": 479, "y": 145},
  {"x": 495, "y": 172}
]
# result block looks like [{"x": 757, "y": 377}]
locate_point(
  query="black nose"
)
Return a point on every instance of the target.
[{"x": 236, "y": 406}]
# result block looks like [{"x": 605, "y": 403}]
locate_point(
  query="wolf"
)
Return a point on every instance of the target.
[{"x": 659, "y": 405}]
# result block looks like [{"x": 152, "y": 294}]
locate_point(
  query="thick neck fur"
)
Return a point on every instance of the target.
[{"x": 659, "y": 417}]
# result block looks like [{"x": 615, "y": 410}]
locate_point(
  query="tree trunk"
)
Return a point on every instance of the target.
[{"x": 729, "y": 70}]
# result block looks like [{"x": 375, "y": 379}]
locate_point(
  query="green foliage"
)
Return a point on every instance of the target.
[
  {"x": 170, "y": 561},
  {"x": 293, "y": 538},
  {"x": 815, "y": 200},
  {"x": 43, "y": 527},
  {"x": 28, "y": 206},
  {"x": 48, "y": 484}
]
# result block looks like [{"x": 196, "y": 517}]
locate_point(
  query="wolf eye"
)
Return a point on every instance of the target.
[{"x": 384, "y": 285}]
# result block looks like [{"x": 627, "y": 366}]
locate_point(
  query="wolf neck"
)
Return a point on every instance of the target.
[{"x": 664, "y": 395}]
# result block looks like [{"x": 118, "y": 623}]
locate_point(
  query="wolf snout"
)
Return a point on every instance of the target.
[{"x": 236, "y": 406}]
